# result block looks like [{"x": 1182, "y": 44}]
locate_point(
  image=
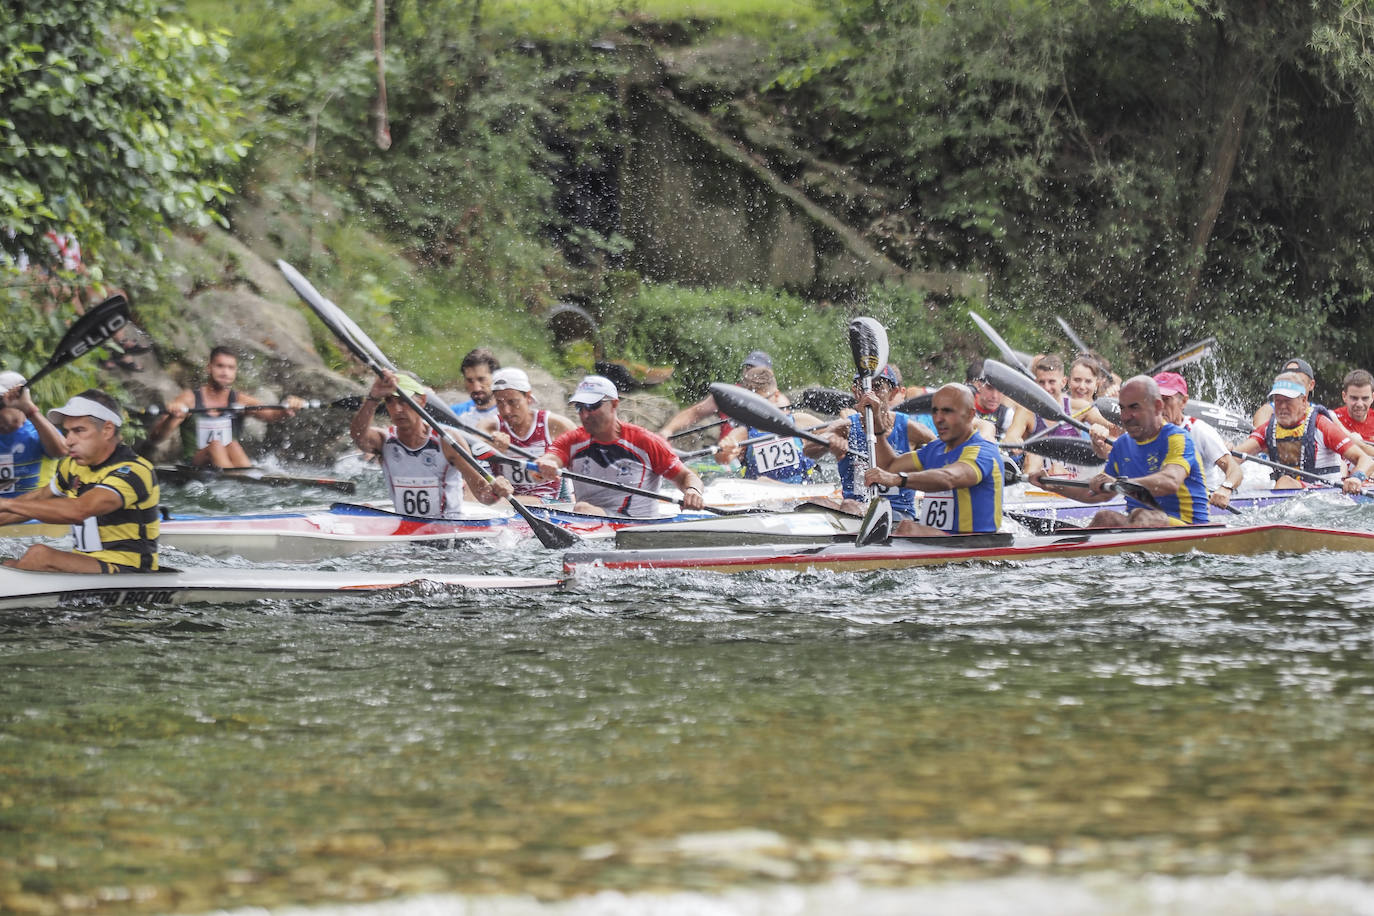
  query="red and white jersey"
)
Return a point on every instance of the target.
[
  {"x": 638, "y": 458},
  {"x": 1365, "y": 429},
  {"x": 536, "y": 441},
  {"x": 421, "y": 481}
]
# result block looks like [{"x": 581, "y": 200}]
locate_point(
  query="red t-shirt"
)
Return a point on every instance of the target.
[
  {"x": 1365, "y": 429},
  {"x": 638, "y": 458}
]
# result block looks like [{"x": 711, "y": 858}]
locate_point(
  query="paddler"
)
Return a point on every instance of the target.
[
  {"x": 479, "y": 367},
  {"x": 520, "y": 422},
  {"x": 610, "y": 449},
  {"x": 217, "y": 434},
  {"x": 1212, "y": 450},
  {"x": 25, "y": 437},
  {"x": 755, "y": 373},
  {"x": 991, "y": 408},
  {"x": 1153, "y": 453},
  {"x": 1302, "y": 436},
  {"x": 849, "y": 444},
  {"x": 108, "y": 494},
  {"x": 1357, "y": 393},
  {"x": 959, "y": 474},
  {"x": 1048, "y": 369},
  {"x": 424, "y": 474}
]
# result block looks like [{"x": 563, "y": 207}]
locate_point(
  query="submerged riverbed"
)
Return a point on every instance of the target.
[{"x": 1113, "y": 735}]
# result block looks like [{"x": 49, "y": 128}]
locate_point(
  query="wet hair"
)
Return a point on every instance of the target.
[
  {"x": 222, "y": 351},
  {"x": 1049, "y": 362},
  {"x": 1357, "y": 378},
  {"x": 478, "y": 357}
]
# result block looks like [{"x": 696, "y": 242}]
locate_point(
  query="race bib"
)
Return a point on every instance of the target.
[
  {"x": 214, "y": 429},
  {"x": 86, "y": 536},
  {"x": 937, "y": 510},
  {"x": 776, "y": 455},
  {"x": 416, "y": 495},
  {"x": 7, "y": 473}
]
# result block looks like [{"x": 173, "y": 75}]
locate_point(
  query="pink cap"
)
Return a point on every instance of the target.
[{"x": 1171, "y": 383}]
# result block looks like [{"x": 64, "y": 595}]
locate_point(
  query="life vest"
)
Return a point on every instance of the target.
[
  {"x": 127, "y": 536},
  {"x": 1314, "y": 456}
]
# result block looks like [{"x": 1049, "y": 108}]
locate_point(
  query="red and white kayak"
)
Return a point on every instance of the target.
[
  {"x": 970, "y": 548},
  {"x": 23, "y": 589}
]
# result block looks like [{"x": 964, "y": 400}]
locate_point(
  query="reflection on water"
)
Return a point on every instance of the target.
[{"x": 1099, "y": 735}]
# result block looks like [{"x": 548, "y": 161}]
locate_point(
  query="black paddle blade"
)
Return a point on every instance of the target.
[
  {"x": 89, "y": 331},
  {"x": 824, "y": 400},
  {"x": 922, "y": 403},
  {"x": 868, "y": 344},
  {"x": 877, "y": 523},
  {"x": 1225, "y": 420},
  {"x": 1110, "y": 409},
  {"x": 1027, "y": 393},
  {"x": 755, "y": 411},
  {"x": 1061, "y": 448}
]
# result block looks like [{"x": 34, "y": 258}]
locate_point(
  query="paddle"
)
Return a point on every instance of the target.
[
  {"x": 1027, "y": 393},
  {"x": 1070, "y": 450},
  {"x": 824, "y": 400},
  {"x": 697, "y": 429},
  {"x": 1121, "y": 485},
  {"x": 868, "y": 346},
  {"x": 921, "y": 403},
  {"x": 1073, "y": 338},
  {"x": 1185, "y": 357},
  {"x": 1286, "y": 468},
  {"x": 549, "y": 534},
  {"x": 89, "y": 331},
  {"x": 444, "y": 414},
  {"x": 754, "y": 440},
  {"x": 1014, "y": 357},
  {"x": 752, "y": 410}
]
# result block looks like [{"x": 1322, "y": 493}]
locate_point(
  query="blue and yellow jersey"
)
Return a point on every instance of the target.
[
  {"x": 968, "y": 509},
  {"x": 1172, "y": 445}
]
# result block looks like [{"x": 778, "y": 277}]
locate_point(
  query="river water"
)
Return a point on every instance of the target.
[{"x": 1180, "y": 735}]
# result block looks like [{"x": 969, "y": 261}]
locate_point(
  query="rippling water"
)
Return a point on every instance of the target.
[{"x": 1113, "y": 735}]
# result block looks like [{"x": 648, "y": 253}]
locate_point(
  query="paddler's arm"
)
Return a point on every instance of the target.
[
  {"x": 1163, "y": 482},
  {"x": 689, "y": 416},
  {"x": 367, "y": 437},
  {"x": 902, "y": 473},
  {"x": 689, "y": 483},
  {"x": 728, "y": 448},
  {"x": 1234, "y": 469},
  {"x": 45, "y": 506},
  {"x": 1364, "y": 466},
  {"x": 837, "y": 434},
  {"x": 176, "y": 413}
]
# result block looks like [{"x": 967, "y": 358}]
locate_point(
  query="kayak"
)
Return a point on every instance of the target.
[
  {"x": 24, "y": 589},
  {"x": 810, "y": 525},
  {"x": 1044, "y": 505},
  {"x": 967, "y": 548},
  {"x": 177, "y": 474}
]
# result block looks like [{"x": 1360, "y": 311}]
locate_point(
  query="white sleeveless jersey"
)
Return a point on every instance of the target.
[
  {"x": 421, "y": 481},
  {"x": 536, "y": 443}
]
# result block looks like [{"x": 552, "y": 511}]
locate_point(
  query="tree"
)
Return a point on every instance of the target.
[{"x": 116, "y": 124}]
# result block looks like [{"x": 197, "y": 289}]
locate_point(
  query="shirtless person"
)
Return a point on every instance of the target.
[{"x": 218, "y": 430}]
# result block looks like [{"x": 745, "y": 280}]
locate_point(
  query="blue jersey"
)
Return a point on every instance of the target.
[
  {"x": 1173, "y": 445},
  {"x": 968, "y": 509},
  {"x": 780, "y": 459},
  {"x": 852, "y": 471},
  {"x": 21, "y": 460}
]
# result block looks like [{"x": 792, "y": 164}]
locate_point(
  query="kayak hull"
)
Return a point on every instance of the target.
[
  {"x": 938, "y": 551},
  {"x": 24, "y": 589}
]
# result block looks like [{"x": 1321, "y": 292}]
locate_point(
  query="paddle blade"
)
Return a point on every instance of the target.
[
  {"x": 1069, "y": 450},
  {"x": 753, "y": 410},
  {"x": 824, "y": 400},
  {"x": 1227, "y": 421},
  {"x": 868, "y": 344},
  {"x": 1027, "y": 393},
  {"x": 876, "y": 525},
  {"x": 1014, "y": 357},
  {"x": 1073, "y": 338},
  {"x": 922, "y": 403},
  {"x": 1110, "y": 409},
  {"x": 1185, "y": 357},
  {"x": 343, "y": 327},
  {"x": 89, "y": 331}
]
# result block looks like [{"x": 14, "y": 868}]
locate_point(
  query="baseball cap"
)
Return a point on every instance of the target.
[
  {"x": 891, "y": 374},
  {"x": 1297, "y": 364},
  {"x": 10, "y": 379},
  {"x": 84, "y": 407},
  {"x": 512, "y": 379},
  {"x": 593, "y": 389},
  {"x": 1171, "y": 383},
  {"x": 1288, "y": 388},
  {"x": 757, "y": 358}
]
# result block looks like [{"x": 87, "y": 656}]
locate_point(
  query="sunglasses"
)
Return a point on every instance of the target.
[{"x": 590, "y": 408}]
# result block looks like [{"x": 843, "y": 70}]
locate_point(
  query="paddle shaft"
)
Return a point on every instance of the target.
[
  {"x": 1136, "y": 491},
  {"x": 1287, "y": 469}
]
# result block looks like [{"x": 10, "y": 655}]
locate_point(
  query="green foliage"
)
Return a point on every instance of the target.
[{"x": 114, "y": 124}]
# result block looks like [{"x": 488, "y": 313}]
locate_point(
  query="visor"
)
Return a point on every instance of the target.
[
  {"x": 1288, "y": 388},
  {"x": 84, "y": 407},
  {"x": 411, "y": 386}
]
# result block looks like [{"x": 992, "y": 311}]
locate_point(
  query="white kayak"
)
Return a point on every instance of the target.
[{"x": 23, "y": 589}]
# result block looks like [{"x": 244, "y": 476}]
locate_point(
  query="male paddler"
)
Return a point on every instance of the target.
[
  {"x": 1153, "y": 453},
  {"x": 424, "y": 474},
  {"x": 26, "y": 436},
  {"x": 1306, "y": 437},
  {"x": 960, "y": 473},
  {"x": 610, "y": 449},
  {"x": 520, "y": 422},
  {"x": 217, "y": 433},
  {"x": 755, "y": 374},
  {"x": 108, "y": 494}
]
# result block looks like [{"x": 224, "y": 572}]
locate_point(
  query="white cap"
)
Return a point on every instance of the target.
[
  {"x": 593, "y": 390},
  {"x": 84, "y": 407},
  {"x": 513, "y": 379},
  {"x": 10, "y": 380}
]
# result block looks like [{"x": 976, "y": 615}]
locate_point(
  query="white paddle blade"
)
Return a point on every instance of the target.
[
  {"x": 877, "y": 523},
  {"x": 868, "y": 343}
]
